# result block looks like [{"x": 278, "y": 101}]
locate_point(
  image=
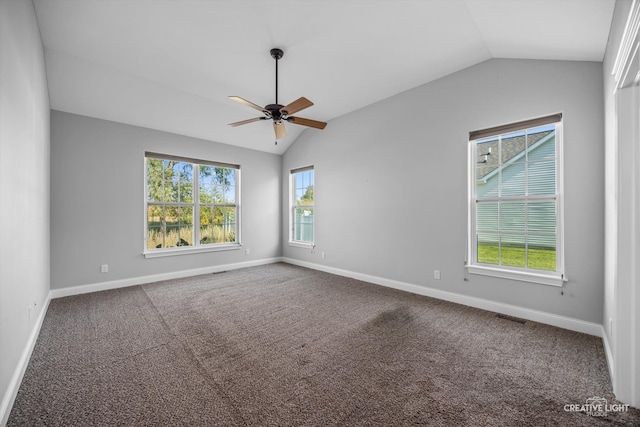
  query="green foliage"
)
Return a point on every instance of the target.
[
  {"x": 171, "y": 237},
  {"x": 307, "y": 197},
  {"x": 169, "y": 181},
  {"x": 217, "y": 234},
  {"x": 170, "y": 194},
  {"x": 216, "y": 184},
  {"x": 540, "y": 259},
  {"x": 183, "y": 236}
]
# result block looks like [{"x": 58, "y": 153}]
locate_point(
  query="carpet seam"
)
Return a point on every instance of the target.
[{"x": 201, "y": 370}]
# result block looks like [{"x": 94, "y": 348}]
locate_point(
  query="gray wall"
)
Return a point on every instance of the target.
[
  {"x": 97, "y": 200},
  {"x": 400, "y": 167},
  {"x": 24, "y": 185}
]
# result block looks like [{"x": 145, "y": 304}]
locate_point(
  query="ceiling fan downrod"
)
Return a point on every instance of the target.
[{"x": 276, "y": 54}]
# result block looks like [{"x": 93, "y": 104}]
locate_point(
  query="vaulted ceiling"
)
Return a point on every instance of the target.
[{"x": 171, "y": 64}]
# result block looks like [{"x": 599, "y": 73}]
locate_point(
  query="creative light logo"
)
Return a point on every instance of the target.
[{"x": 596, "y": 407}]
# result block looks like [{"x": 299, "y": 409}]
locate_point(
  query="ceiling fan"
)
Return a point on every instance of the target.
[{"x": 277, "y": 112}]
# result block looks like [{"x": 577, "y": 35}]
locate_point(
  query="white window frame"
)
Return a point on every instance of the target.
[
  {"x": 293, "y": 206},
  {"x": 197, "y": 247},
  {"x": 552, "y": 278}
]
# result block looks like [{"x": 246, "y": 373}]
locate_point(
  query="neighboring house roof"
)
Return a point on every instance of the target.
[{"x": 511, "y": 149}]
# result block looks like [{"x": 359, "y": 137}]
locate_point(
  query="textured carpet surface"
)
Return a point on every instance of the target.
[{"x": 287, "y": 346}]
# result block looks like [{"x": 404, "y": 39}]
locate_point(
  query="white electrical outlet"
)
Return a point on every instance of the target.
[
  {"x": 31, "y": 309},
  {"x": 323, "y": 255},
  {"x": 436, "y": 274},
  {"x": 104, "y": 268},
  {"x": 247, "y": 251}
]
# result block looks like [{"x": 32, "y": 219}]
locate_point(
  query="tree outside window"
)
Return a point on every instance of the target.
[{"x": 183, "y": 193}]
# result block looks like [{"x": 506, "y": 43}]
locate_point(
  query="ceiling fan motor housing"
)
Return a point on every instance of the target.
[{"x": 274, "y": 111}]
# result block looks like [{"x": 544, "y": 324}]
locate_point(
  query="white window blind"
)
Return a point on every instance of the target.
[{"x": 515, "y": 209}]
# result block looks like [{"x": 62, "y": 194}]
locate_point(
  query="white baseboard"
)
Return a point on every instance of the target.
[
  {"x": 14, "y": 384},
  {"x": 511, "y": 310},
  {"x": 608, "y": 352},
  {"x": 115, "y": 284},
  {"x": 508, "y": 309},
  {"x": 497, "y": 307}
]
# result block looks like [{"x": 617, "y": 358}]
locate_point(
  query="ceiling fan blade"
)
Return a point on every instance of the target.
[
  {"x": 297, "y": 105},
  {"x": 307, "y": 122},
  {"x": 247, "y": 103},
  {"x": 244, "y": 122},
  {"x": 281, "y": 132}
]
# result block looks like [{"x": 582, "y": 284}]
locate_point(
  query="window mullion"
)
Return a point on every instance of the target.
[
  {"x": 164, "y": 224},
  {"x": 500, "y": 166},
  {"x": 526, "y": 201},
  {"x": 526, "y": 232},
  {"x": 293, "y": 222},
  {"x": 499, "y": 233},
  {"x": 196, "y": 205}
]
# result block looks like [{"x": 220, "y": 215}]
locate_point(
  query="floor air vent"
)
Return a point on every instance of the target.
[{"x": 513, "y": 319}]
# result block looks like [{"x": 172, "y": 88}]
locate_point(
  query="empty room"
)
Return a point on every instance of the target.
[{"x": 309, "y": 213}]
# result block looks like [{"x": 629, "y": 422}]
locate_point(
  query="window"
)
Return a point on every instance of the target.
[
  {"x": 302, "y": 206},
  {"x": 191, "y": 205},
  {"x": 515, "y": 210}
]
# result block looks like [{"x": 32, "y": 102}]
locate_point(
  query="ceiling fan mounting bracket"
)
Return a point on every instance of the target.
[{"x": 276, "y": 53}]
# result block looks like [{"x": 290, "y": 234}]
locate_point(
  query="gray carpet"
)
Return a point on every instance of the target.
[{"x": 287, "y": 346}]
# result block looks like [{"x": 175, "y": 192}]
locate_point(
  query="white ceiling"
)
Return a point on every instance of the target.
[{"x": 171, "y": 64}]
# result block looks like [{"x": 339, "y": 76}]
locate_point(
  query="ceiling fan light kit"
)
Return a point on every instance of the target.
[{"x": 277, "y": 112}]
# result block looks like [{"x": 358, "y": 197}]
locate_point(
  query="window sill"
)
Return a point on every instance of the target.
[
  {"x": 185, "y": 250},
  {"x": 551, "y": 278},
  {"x": 304, "y": 245}
]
